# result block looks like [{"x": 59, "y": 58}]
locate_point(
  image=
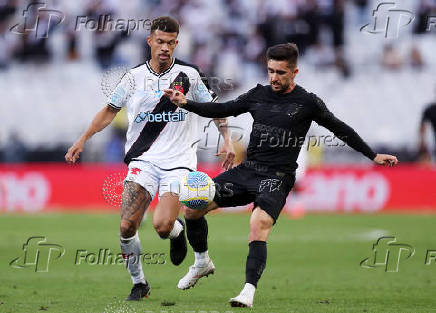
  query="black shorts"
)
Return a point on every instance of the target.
[{"x": 242, "y": 185}]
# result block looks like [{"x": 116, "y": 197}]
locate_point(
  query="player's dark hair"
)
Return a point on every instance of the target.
[
  {"x": 284, "y": 52},
  {"x": 166, "y": 24}
]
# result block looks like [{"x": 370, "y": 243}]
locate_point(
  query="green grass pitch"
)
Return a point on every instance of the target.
[{"x": 313, "y": 266}]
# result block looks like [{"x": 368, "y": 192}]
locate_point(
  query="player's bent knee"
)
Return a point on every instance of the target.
[
  {"x": 127, "y": 228},
  {"x": 163, "y": 228},
  {"x": 261, "y": 223},
  {"x": 260, "y": 228},
  {"x": 256, "y": 229}
]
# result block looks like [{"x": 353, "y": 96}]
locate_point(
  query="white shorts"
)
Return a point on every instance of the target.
[{"x": 155, "y": 179}]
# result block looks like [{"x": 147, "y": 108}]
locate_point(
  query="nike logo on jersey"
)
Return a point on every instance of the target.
[{"x": 170, "y": 116}]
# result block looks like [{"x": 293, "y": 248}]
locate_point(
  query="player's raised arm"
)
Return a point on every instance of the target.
[
  {"x": 100, "y": 121},
  {"x": 211, "y": 109},
  {"x": 325, "y": 118}
]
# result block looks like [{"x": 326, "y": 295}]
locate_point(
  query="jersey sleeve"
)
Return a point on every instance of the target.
[
  {"x": 324, "y": 117},
  {"x": 122, "y": 92},
  {"x": 224, "y": 109},
  {"x": 201, "y": 92}
]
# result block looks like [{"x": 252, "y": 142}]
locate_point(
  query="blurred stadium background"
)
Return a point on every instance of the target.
[{"x": 52, "y": 86}]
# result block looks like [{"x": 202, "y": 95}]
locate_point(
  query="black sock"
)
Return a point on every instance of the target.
[
  {"x": 196, "y": 231},
  {"x": 256, "y": 261}
]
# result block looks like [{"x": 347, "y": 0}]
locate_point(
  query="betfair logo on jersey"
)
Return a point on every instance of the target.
[{"x": 170, "y": 116}]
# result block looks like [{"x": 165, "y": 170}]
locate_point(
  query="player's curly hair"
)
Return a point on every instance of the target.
[
  {"x": 166, "y": 24},
  {"x": 284, "y": 52}
]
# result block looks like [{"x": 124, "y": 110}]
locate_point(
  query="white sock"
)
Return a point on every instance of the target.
[
  {"x": 201, "y": 258},
  {"x": 131, "y": 250},
  {"x": 177, "y": 229},
  {"x": 249, "y": 290}
]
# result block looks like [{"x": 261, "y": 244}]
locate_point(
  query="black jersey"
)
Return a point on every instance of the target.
[{"x": 281, "y": 122}]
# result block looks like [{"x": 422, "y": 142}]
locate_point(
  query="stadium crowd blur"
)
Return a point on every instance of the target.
[{"x": 226, "y": 39}]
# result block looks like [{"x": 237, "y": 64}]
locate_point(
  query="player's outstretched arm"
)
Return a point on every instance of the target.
[
  {"x": 351, "y": 138},
  {"x": 208, "y": 109},
  {"x": 100, "y": 121},
  {"x": 344, "y": 132}
]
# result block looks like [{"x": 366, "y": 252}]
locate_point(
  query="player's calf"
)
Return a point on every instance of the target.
[
  {"x": 175, "y": 231},
  {"x": 135, "y": 200},
  {"x": 260, "y": 227},
  {"x": 254, "y": 266},
  {"x": 167, "y": 225},
  {"x": 197, "y": 231}
]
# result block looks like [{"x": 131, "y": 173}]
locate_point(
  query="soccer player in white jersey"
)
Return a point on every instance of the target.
[{"x": 160, "y": 145}]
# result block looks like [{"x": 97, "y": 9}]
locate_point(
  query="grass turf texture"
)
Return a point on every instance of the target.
[{"x": 313, "y": 266}]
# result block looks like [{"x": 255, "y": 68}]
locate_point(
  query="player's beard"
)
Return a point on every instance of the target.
[{"x": 283, "y": 88}]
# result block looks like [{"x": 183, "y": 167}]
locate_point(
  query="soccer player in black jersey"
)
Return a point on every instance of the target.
[{"x": 283, "y": 112}]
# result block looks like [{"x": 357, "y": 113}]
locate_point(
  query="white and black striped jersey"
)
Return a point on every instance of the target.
[{"x": 159, "y": 132}]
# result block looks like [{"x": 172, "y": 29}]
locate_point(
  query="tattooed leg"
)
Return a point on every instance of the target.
[{"x": 135, "y": 200}]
